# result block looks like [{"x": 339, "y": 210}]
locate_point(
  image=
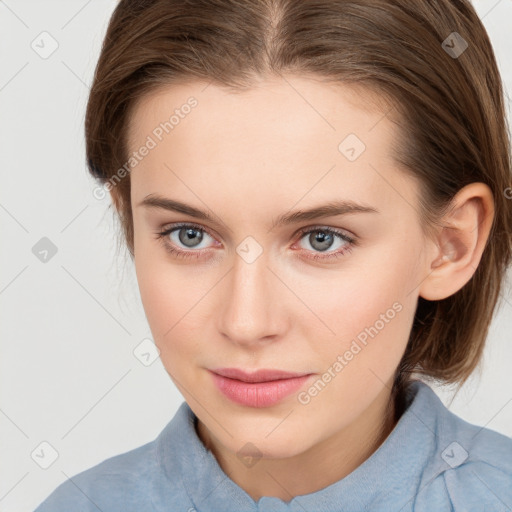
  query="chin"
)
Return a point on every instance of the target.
[{"x": 276, "y": 446}]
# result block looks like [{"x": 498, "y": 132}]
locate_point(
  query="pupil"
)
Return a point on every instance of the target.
[
  {"x": 324, "y": 239},
  {"x": 190, "y": 235}
]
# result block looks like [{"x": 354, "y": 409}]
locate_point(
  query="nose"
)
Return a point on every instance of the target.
[{"x": 251, "y": 311}]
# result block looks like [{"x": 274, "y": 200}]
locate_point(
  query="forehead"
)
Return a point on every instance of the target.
[
  {"x": 294, "y": 107},
  {"x": 292, "y": 137}
]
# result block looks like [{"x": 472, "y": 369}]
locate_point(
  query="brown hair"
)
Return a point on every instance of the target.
[{"x": 450, "y": 109}]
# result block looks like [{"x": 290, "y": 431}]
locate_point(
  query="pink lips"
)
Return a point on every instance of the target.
[{"x": 262, "y": 388}]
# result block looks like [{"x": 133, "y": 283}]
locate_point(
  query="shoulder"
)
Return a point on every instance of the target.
[
  {"x": 147, "y": 478},
  {"x": 118, "y": 483},
  {"x": 480, "y": 469},
  {"x": 471, "y": 467}
]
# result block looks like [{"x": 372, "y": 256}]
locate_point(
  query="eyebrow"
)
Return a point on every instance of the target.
[{"x": 330, "y": 209}]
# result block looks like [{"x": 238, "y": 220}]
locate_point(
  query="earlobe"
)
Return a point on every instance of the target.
[{"x": 460, "y": 242}]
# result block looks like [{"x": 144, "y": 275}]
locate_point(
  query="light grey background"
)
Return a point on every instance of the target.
[{"x": 69, "y": 326}]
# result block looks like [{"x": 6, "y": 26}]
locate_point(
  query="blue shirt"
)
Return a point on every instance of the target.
[{"x": 432, "y": 461}]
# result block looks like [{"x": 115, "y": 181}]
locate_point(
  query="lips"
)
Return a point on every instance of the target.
[
  {"x": 262, "y": 388},
  {"x": 263, "y": 375}
]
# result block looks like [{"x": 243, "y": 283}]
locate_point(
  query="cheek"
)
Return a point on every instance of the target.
[
  {"x": 371, "y": 318},
  {"x": 367, "y": 312},
  {"x": 172, "y": 302}
]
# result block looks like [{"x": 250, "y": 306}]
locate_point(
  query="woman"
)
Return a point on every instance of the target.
[{"x": 314, "y": 195}]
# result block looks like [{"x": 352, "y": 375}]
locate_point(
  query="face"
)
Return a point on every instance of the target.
[{"x": 330, "y": 295}]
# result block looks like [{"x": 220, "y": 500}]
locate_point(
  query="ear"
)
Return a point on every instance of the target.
[{"x": 459, "y": 244}]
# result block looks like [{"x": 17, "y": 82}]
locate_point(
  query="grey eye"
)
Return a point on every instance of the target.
[
  {"x": 190, "y": 236},
  {"x": 320, "y": 240}
]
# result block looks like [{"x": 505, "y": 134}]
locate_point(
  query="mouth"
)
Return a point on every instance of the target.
[
  {"x": 263, "y": 375},
  {"x": 262, "y": 388}
]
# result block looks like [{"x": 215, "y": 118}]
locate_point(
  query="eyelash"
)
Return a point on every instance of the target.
[{"x": 161, "y": 237}]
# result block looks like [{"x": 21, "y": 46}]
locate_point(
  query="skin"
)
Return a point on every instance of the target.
[{"x": 247, "y": 158}]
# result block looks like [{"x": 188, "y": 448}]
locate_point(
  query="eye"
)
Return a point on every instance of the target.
[
  {"x": 322, "y": 238},
  {"x": 189, "y": 235}
]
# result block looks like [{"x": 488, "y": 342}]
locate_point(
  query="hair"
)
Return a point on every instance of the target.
[{"x": 450, "y": 110}]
